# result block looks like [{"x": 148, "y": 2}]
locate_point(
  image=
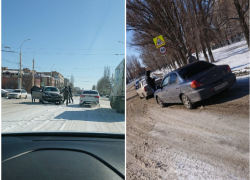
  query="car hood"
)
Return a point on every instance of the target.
[{"x": 52, "y": 93}]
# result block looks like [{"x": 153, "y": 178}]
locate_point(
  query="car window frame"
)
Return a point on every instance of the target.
[
  {"x": 176, "y": 81},
  {"x": 164, "y": 80}
]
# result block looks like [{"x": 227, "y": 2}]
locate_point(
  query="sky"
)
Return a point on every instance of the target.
[{"x": 72, "y": 37}]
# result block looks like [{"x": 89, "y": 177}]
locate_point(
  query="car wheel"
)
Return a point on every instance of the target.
[
  {"x": 160, "y": 102},
  {"x": 186, "y": 101},
  {"x": 26, "y": 97}
]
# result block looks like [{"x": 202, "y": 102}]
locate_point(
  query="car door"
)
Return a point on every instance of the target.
[
  {"x": 37, "y": 93},
  {"x": 164, "y": 90},
  {"x": 174, "y": 88},
  {"x": 140, "y": 89},
  {"x": 23, "y": 93}
]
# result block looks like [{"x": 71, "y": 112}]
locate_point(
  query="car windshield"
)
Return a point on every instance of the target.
[
  {"x": 51, "y": 89},
  {"x": 17, "y": 91},
  {"x": 75, "y": 44},
  {"x": 195, "y": 68}
]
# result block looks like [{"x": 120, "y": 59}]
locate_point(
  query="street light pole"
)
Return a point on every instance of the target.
[
  {"x": 51, "y": 74},
  {"x": 33, "y": 69},
  {"x": 20, "y": 70}
]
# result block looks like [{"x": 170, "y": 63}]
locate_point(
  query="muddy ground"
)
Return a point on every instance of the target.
[{"x": 208, "y": 142}]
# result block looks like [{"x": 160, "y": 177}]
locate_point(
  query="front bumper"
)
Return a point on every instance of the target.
[
  {"x": 208, "y": 91},
  {"x": 52, "y": 99},
  {"x": 12, "y": 96}
]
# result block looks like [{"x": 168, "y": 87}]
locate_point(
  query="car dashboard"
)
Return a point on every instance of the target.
[{"x": 63, "y": 155}]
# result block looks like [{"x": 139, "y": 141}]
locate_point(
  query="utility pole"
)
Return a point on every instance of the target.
[
  {"x": 20, "y": 70},
  {"x": 33, "y": 69},
  {"x": 33, "y": 73}
]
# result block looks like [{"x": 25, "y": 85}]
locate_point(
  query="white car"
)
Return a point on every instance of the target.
[
  {"x": 18, "y": 94},
  {"x": 90, "y": 97}
]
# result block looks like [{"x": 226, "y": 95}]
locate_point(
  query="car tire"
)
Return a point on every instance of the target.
[
  {"x": 186, "y": 101},
  {"x": 9, "y": 98},
  {"x": 112, "y": 104},
  {"x": 160, "y": 102},
  {"x": 26, "y": 97},
  {"x": 117, "y": 107}
]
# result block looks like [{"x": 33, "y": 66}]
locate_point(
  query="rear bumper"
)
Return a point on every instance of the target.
[
  {"x": 89, "y": 102},
  {"x": 209, "y": 91}
]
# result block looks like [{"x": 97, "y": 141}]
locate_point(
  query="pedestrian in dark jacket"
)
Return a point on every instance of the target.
[
  {"x": 70, "y": 95},
  {"x": 32, "y": 89},
  {"x": 190, "y": 58},
  {"x": 150, "y": 81},
  {"x": 65, "y": 92}
]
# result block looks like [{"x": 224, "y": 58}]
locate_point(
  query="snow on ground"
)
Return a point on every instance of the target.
[{"x": 20, "y": 115}]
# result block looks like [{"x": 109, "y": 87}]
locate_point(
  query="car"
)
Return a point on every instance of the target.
[
  {"x": 18, "y": 94},
  {"x": 136, "y": 84},
  {"x": 144, "y": 90},
  {"x": 193, "y": 83},
  {"x": 49, "y": 94},
  {"x": 89, "y": 97},
  {"x": 4, "y": 93},
  {"x": 63, "y": 155}
]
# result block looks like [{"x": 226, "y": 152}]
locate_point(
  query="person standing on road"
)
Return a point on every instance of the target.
[
  {"x": 32, "y": 89},
  {"x": 70, "y": 95},
  {"x": 190, "y": 58},
  {"x": 65, "y": 92},
  {"x": 150, "y": 81}
]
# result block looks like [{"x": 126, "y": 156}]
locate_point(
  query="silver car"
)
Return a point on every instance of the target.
[{"x": 194, "y": 82}]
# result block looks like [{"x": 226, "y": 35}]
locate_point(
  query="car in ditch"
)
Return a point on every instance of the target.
[
  {"x": 48, "y": 94},
  {"x": 18, "y": 94},
  {"x": 193, "y": 83},
  {"x": 144, "y": 90},
  {"x": 89, "y": 97}
]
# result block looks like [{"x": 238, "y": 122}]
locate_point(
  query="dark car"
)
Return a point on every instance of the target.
[
  {"x": 194, "y": 82},
  {"x": 4, "y": 93},
  {"x": 136, "y": 84}
]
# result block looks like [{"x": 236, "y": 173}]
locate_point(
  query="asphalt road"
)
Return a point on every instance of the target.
[
  {"x": 208, "y": 142},
  {"x": 21, "y": 115}
]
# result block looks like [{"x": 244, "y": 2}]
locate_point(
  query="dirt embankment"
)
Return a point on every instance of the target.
[{"x": 209, "y": 142}]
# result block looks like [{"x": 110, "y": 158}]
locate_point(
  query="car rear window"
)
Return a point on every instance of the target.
[
  {"x": 194, "y": 69},
  {"x": 90, "y": 92}
]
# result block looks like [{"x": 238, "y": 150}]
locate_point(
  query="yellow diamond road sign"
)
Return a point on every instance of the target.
[{"x": 159, "y": 41}]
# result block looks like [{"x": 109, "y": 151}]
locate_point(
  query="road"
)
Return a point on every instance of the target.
[
  {"x": 21, "y": 115},
  {"x": 209, "y": 142}
]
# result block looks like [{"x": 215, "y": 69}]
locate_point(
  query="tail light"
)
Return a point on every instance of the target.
[
  {"x": 145, "y": 89},
  {"x": 195, "y": 84},
  {"x": 97, "y": 96},
  {"x": 228, "y": 69},
  {"x": 82, "y": 96}
]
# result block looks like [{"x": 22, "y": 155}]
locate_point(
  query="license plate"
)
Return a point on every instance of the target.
[{"x": 216, "y": 88}]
